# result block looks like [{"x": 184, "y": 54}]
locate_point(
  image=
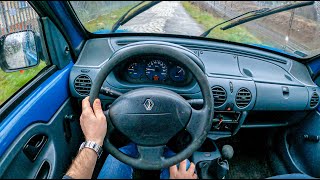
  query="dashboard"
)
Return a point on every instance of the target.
[{"x": 244, "y": 81}]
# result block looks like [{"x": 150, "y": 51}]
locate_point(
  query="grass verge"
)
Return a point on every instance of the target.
[
  {"x": 207, "y": 20},
  {"x": 106, "y": 21},
  {"x": 12, "y": 82}
]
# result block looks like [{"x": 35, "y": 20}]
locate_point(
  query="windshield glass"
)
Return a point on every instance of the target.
[{"x": 295, "y": 32}]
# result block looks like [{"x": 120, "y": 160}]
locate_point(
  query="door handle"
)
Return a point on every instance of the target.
[
  {"x": 43, "y": 171},
  {"x": 34, "y": 146}
]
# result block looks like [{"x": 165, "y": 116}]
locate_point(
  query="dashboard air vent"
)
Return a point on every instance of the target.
[
  {"x": 82, "y": 84},
  {"x": 314, "y": 100},
  {"x": 243, "y": 97},
  {"x": 219, "y": 95}
]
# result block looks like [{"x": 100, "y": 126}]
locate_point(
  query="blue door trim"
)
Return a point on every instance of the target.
[
  {"x": 314, "y": 66},
  {"x": 39, "y": 106}
]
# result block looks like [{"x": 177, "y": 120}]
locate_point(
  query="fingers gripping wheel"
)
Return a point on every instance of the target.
[{"x": 150, "y": 117}]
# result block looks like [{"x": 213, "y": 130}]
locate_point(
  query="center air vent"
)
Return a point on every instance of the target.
[
  {"x": 219, "y": 95},
  {"x": 82, "y": 84},
  {"x": 314, "y": 100},
  {"x": 243, "y": 97}
]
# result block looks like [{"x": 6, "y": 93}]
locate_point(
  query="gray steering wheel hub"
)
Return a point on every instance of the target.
[{"x": 150, "y": 116}]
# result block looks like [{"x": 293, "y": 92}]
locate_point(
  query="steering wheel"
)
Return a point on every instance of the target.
[{"x": 150, "y": 116}]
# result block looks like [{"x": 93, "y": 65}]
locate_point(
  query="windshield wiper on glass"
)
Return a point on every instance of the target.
[
  {"x": 267, "y": 13},
  {"x": 256, "y": 14},
  {"x": 125, "y": 18},
  {"x": 213, "y": 27}
]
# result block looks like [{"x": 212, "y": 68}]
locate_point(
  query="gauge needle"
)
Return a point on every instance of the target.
[{"x": 180, "y": 71}]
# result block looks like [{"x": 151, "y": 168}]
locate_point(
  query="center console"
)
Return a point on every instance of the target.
[
  {"x": 210, "y": 163},
  {"x": 226, "y": 123}
]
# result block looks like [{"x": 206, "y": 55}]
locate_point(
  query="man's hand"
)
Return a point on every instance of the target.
[
  {"x": 94, "y": 126},
  {"x": 93, "y": 121},
  {"x": 182, "y": 173}
]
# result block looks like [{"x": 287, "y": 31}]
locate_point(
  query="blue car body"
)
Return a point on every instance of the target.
[{"x": 45, "y": 100}]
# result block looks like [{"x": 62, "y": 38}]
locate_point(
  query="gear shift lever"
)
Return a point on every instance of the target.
[{"x": 219, "y": 168}]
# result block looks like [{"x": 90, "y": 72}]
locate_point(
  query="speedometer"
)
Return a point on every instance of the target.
[{"x": 156, "y": 70}]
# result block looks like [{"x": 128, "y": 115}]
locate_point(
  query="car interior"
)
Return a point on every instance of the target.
[{"x": 234, "y": 110}]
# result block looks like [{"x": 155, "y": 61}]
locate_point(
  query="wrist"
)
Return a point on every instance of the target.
[
  {"x": 90, "y": 152},
  {"x": 97, "y": 141}
]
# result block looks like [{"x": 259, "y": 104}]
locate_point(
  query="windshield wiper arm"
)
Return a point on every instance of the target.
[
  {"x": 267, "y": 13},
  {"x": 124, "y": 18},
  {"x": 255, "y": 15},
  {"x": 213, "y": 27}
]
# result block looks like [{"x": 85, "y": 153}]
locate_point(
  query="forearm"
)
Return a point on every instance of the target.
[{"x": 83, "y": 165}]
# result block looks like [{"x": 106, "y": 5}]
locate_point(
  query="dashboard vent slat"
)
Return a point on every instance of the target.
[
  {"x": 314, "y": 100},
  {"x": 82, "y": 84},
  {"x": 243, "y": 97},
  {"x": 219, "y": 95}
]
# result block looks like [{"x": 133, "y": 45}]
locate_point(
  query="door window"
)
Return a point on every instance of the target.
[{"x": 16, "y": 16}]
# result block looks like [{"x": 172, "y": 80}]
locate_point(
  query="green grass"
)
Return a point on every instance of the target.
[
  {"x": 12, "y": 82},
  {"x": 106, "y": 21},
  {"x": 207, "y": 20}
]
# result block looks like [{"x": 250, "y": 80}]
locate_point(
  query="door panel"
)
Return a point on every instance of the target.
[
  {"x": 39, "y": 106},
  {"x": 41, "y": 113},
  {"x": 300, "y": 153},
  {"x": 55, "y": 156}
]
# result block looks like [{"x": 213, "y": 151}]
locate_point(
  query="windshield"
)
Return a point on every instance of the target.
[{"x": 294, "y": 32}]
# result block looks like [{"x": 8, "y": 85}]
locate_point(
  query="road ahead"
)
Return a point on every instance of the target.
[{"x": 165, "y": 17}]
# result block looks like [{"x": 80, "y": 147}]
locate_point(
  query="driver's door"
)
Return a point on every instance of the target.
[{"x": 39, "y": 131}]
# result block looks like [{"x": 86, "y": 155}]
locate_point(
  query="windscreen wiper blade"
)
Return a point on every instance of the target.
[
  {"x": 125, "y": 18},
  {"x": 213, "y": 27},
  {"x": 267, "y": 13}
]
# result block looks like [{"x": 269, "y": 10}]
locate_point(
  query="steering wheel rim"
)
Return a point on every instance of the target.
[{"x": 198, "y": 125}]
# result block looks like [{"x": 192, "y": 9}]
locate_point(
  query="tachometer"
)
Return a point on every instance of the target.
[
  {"x": 135, "y": 70},
  {"x": 156, "y": 70},
  {"x": 177, "y": 73}
]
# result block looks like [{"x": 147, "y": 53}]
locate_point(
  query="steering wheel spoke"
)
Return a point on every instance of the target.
[
  {"x": 195, "y": 102},
  {"x": 151, "y": 155},
  {"x": 196, "y": 123},
  {"x": 110, "y": 126}
]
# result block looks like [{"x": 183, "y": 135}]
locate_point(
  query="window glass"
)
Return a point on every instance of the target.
[{"x": 18, "y": 16}]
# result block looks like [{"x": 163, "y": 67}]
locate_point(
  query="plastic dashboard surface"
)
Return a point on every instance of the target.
[{"x": 249, "y": 79}]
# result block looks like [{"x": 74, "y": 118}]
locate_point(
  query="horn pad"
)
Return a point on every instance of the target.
[{"x": 150, "y": 116}]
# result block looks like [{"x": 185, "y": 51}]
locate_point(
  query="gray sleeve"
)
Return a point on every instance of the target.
[{"x": 66, "y": 177}]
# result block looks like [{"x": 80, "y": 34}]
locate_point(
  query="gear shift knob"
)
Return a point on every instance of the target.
[
  {"x": 227, "y": 152},
  {"x": 219, "y": 167}
]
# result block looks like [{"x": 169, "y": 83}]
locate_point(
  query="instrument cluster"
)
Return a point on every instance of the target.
[{"x": 154, "y": 69}]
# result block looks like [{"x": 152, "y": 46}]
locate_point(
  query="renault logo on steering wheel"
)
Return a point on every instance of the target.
[{"x": 148, "y": 104}]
